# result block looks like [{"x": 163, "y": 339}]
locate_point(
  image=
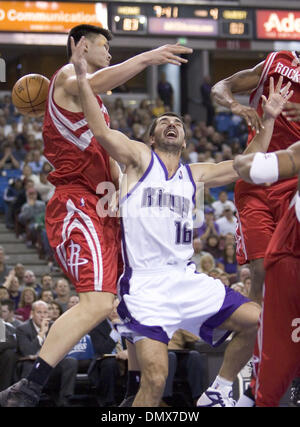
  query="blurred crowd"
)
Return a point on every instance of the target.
[{"x": 25, "y": 191}]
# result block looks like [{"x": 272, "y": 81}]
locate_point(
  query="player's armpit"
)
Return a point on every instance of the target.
[{"x": 214, "y": 174}]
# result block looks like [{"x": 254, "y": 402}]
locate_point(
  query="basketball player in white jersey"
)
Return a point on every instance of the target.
[{"x": 160, "y": 290}]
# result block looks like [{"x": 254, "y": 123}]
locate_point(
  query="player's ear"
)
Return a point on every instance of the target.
[
  {"x": 184, "y": 144},
  {"x": 151, "y": 141}
]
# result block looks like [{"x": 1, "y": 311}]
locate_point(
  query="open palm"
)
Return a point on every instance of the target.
[{"x": 78, "y": 57}]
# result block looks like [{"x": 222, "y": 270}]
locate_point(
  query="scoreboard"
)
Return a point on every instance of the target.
[{"x": 182, "y": 20}]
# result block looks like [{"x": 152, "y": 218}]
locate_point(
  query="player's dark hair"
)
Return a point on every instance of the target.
[
  {"x": 168, "y": 114},
  {"x": 86, "y": 31}
]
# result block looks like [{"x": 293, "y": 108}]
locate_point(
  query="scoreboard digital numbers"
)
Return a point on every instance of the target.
[{"x": 180, "y": 20}]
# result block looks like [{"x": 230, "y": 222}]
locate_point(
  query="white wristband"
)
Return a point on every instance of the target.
[{"x": 264, "y": 168}]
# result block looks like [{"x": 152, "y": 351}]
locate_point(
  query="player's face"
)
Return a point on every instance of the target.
[
  {"x": 98, "y": 55},
  {"x": 169, "y": 133}
]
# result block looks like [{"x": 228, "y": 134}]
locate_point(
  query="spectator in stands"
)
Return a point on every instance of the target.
[
  {"x": 30, "y": 281},
  {"x": 224, "y": 277},
  {"x": 19, "y": 270},
  {"x": 47, "y": 282},
  {"x": 63, "y": 291},
  {"x": 159, "y": 107},
  {"x": 19, "y": 152},
  {"x": 3, "y": 293},
  {"x": 3, "y": 267},
  {"x": 8, "y": 356},
  {"x": 165, "y": 91},
  {"x": 28, "y": 297},
  {"x": 13, "y": 286},
  {"x": 215, "y": 273},
  {"x": 207, "y": 263},
  {"x": 229, "y": 262},
  {"x": 187, "y": 365},
  {"x": 105, "y": 373},
  {"x": 7, "y": 159},
  {"x": 37, "y": 162},
  {"x": 212, "y": 246},
  {"x": 30, "y": 337},
  {"x": 247, "y": 285},
  {"x": 44, "y": 188},
  {"x": 209, "y": 227},
  {"x": 55, "y": 310},
  {"x": 73, "y": 300},
  {"x": 228, "y": 222},
  {"x": 8, "y": 313},
  {"x": 10, "y": 195},
  {"x": 29, "y": 215},
  {"x": 219, "y": 205},
  {"x": 198, "y": 251},
  {"x": 47, "y": 295},
  {"x": 208, "y": 197},
  {"x": 244, "y": 273}
]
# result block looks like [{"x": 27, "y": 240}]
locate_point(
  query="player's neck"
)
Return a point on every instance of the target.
[{"x": 170, "y": 160}]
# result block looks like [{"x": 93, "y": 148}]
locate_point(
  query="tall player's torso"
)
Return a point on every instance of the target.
[
  {"x": 157, "y": 218},
  {"x": 69, "y": 145},
  {"x": 286, "y": 64}
]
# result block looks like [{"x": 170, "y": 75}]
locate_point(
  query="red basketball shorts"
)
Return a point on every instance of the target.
[
  {"x": 277, "y": 350},
  {"x": 259, "y": 210},
  {"x": 86, "y": 246}
]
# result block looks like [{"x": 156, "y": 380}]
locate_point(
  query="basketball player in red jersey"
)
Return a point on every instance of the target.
[
  {"x": 260, "y": 207},
  {"x": 278, "y": 358},
  {"x": 86, "y": 245}
]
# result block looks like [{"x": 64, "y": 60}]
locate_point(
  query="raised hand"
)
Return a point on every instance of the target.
[
  {"x": 78, "y": 58},
  {"x": 249, "y": 114},
  {"x": 277, "y": 98},
  {"x": 169, "y": 54}
]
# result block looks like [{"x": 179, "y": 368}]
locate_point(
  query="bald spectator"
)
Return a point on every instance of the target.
[
  {"x": 30, "y": 337},
  {"x": 63, "y": 291}
]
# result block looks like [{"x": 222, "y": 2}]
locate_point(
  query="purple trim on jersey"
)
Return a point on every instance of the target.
[
  {"x": 232, "y": 301},
  {"x": 124, "y": 252},
  {"x": 152, "y": 332},
  {"x": 188, "y": 168},
  {"x": 165, "y": 169},
  {"x": 139, "y": 181}
]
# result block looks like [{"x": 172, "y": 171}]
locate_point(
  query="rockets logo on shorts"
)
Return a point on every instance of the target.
[{"x": 75, "y": 261}]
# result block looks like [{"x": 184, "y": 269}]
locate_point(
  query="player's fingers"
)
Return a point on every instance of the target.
[
  {"x": 177, "y": 59},
  {"x": 271, "y": 86},
  {"x": 289, "y": 95},
  {"x": 285, "y": 90},
  {"x": 279, "y": 84},
  {"x": 179, "y": 48}
]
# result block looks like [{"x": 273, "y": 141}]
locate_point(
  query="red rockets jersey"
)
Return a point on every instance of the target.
[
  {"x": 286, "y": 238},
  {"x": 71, "y": 148},
  {"x": 286, "y": 64}
]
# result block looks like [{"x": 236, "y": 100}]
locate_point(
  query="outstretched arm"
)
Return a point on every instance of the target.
[
  {"x": 119, "y": 146},
  {"x": 258, "y": 168},
  {"x": 111, "y": 77},
  {"x": 223, "y": 173},
  {"x": 240, "y": 82}
]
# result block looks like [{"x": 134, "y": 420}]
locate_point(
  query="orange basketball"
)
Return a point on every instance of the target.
[{"x": 29, "y": 95}]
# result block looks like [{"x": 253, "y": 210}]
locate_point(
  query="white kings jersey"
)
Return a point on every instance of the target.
[{"x": 157, "y": 218}]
